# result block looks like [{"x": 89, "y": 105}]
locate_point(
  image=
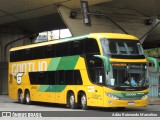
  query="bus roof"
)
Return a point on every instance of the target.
[
  {"x": 113, "y": 36},
  {"x": 91, "y": 35}
]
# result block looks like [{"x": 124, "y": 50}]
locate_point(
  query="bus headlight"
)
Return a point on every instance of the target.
[
  {"x": 112, "y": 96},
  {"x": 144, "y": 97}
]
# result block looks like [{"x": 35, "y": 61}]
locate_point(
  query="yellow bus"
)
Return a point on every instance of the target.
[{"x": 88, "y": 70}]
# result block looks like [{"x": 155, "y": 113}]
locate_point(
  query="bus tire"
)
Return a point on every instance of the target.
[
  {"x": 20, "y": 97},
  {"x": 72, "y": 103},
  {"x": 84, "y": 101},
  {"x": 27, "y": 98}
]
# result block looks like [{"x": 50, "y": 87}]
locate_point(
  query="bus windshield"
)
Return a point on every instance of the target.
[
  {"x": 127, "y": 75},
  {"x": 121, "y": 47}
]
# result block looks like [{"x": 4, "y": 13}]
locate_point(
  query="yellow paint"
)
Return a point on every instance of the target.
[
  {"x": 80, "y": 64},
  {"x": 112, "y": 36},
  {"x": 128, "y": 60}
]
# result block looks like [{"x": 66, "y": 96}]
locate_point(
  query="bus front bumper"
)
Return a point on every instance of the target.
[{"x": 125, "y": 103}]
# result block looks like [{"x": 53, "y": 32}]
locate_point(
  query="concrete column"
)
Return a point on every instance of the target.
[
  {"x": 7, "y": 35},
  {"x": 6, "y": 38},
  {"x": 3, "y": 77},
  {"x": 129, "y": 20}
]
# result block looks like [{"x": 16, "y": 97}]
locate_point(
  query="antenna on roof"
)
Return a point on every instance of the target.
[{"x": 86, "y": 15}]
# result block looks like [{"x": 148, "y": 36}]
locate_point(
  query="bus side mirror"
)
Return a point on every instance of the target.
[
  {"x": 156, "y": 63},
  {"x": 105, "y": 61}
]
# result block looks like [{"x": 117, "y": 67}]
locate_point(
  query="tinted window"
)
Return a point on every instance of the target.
[
  {"x": 33, "y": 77},
  {"x": 50, "y": 78},
  {"x": 49, "y": 51},
  {"x": 13, "y": 56},
  {"x": 91, "y": 46},
  {"x": 95, "y": 69},
  {"x": 41, "y": 78},
  {"x": 87, "y": 46},
  {"x": 97, "y": 75},
  {"x": 26, "y": 54},
  {"x": 76, "y": 47},
  {"x": 69, "y": 78},
  {"x": 77, "y": 78},
  {"x": 37, "y": 52},
  {"x": 61, "y": 77},
  {"x": 93, "y": 62},
  {"x": 126, "y": 47},
  {"x": 62, "y": 49}
]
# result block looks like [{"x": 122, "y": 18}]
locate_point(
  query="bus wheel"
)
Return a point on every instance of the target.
[
  {"x": 84, "y": 101},
  {"x": 20, "y": 97},
  {"x": 72, "y": 102},
  {"x": 27, "y": 98}
]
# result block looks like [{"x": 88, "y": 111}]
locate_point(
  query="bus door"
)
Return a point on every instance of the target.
[
  {"x": 98, "y": 79},
  {"x": 96, "y": 72}
]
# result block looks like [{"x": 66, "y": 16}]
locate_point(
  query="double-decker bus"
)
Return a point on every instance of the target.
[{"x": 88, "y": 70}]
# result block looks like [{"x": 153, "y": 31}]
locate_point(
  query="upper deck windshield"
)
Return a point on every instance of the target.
[{"x": 114, "y": 47}]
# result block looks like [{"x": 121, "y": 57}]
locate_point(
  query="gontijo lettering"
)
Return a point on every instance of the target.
[{"x": 29, "y": 67}]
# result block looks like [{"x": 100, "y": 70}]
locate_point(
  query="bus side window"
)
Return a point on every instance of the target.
[
  {"x": 37, "y": 53},
  {"x": 41, "y": 78},
  {"x": 62, "y": 49},
  {"x": 97, "y": 76},
  {"x": 26, "y": 54},
  {"x": 76, "y": 47},
  {"x": 76, "y": 43},
  {"x": 95, "y": 69},
  {"x": 69, "y": 77},
  {"x": 49, "y": 51},
  {"x": 13, "y": 56},
  {"x": 77, "y": 77},
  {"x": 91, "y": 46},
  {"x": 17, "y": 55},
  {"x": 33, "y": 76},
  {"x": 61, "y": 77},
  {"x": 51, "y": 77}
]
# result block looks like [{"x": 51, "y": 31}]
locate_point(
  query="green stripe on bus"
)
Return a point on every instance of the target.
[
  {"x": 43, "y": 88},
  {"x": 51, "y": 88},
  {"x": 129, "y": 94},
  {"x": 53, "y": 64},
  {"x": 56, "y": 88},
  {"x": 63, "y": 63},
  {"x": 68, "y": 63}
]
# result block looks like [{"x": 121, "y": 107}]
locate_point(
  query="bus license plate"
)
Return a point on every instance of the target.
[{"x": 131, "y": 103}]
